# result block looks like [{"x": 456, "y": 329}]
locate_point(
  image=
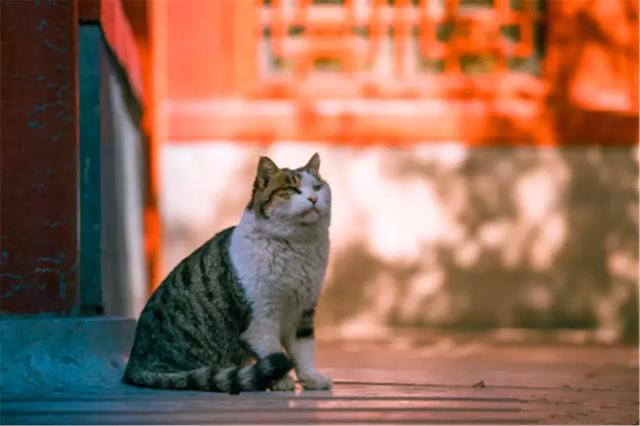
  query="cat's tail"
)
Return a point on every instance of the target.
[{"x": 256, "y": 377}]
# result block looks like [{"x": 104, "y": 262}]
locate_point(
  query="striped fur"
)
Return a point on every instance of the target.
[
  {"x": 305, "y": 325},
  {"x": 188, "y": 335},
  {"x": 256, "y": 377},
  {"x": 248, "y": 293}
]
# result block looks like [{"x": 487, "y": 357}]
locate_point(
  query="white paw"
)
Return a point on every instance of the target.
[
  {"x": 284, "y": 384},
  {"x": 315, "y": 381}
]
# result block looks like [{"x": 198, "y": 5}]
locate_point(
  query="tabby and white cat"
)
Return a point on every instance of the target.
[{"x": 249, "y": 292}]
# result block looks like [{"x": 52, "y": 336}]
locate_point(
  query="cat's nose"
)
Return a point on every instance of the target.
[{"x": 312, "y": 198}]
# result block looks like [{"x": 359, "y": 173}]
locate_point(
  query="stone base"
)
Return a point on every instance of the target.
[{"x": 42, "y": 355}]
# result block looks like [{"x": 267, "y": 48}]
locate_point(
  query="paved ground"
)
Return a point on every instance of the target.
[{"x": 400, "y": 381}]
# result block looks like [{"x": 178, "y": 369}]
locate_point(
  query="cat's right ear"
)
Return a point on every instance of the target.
[
  {"x": 313, "y": 164},
  {"x": 266, "y": 168}
]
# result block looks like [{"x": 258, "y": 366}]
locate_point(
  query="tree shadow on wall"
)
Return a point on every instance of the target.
[{"x": 550, "y": 240}]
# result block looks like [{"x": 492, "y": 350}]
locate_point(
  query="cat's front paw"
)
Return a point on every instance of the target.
[
  {"x": 284, "y": 384},
  {"x": 315, "y": 381}
]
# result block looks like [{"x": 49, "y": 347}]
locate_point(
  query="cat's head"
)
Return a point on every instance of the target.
[{"x": 291, "y": 198}]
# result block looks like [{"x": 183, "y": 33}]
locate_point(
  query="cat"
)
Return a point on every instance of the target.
[{"x": 249, "y": 292}]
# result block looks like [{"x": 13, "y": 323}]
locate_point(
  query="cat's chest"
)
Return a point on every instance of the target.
[{"x": 280, "y": 271}]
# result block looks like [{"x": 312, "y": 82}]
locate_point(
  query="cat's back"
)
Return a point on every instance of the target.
[
  {"x": 199, "y": 295},
  {"x": 202, "y": 270}
]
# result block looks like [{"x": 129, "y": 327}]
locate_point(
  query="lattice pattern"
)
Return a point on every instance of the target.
[
  {"x": 398, "y": 38},
  {"x": 378, "y": 71}
]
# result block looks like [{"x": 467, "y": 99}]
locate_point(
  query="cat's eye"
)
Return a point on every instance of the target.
[
  {"x": 317, "y": 187},
  {"x": 292, "y": 189}
]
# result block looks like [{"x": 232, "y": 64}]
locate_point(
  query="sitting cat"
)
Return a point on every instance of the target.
[{"x": 249, "y": 292}]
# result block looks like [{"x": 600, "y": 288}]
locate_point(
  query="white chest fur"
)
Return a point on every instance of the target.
[{"x": 281, "y": 277}]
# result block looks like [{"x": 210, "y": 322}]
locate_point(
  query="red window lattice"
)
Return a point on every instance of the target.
[
  {"x": 360, "y": 71},
  {"x": 381, "y": 43}
]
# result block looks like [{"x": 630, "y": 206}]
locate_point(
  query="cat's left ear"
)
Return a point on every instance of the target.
[
  {"x": 313, "y": 164},
  {"x": 266, "y": 168}
]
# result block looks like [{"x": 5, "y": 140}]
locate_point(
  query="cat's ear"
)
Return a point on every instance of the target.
[
  {"x": 266, "y": 168},
  {"x": 313, "y": 164}
]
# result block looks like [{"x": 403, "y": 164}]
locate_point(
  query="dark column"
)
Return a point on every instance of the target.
[
  {"x": 90, "y": 44},
  {"x": 38, "y": 157}
]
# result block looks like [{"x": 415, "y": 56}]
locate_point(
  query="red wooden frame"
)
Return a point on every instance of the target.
[{"x": 38, "y": 157}]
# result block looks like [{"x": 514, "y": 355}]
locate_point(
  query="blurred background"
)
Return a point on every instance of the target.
[{"x": 482, "y": 155}]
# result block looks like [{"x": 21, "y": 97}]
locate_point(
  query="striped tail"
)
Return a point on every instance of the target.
[{"x": 255, "y": 377}]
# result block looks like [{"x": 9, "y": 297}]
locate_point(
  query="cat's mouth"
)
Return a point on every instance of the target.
[{"x": 310, "y": 212}]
